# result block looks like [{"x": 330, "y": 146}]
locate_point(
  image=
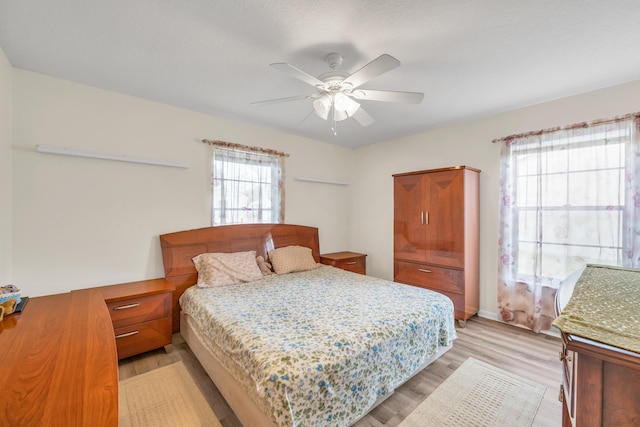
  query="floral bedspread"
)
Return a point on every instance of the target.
[{"x": 322, "y": 346}]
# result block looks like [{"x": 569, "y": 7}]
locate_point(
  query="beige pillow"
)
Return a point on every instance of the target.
[
  {"x": 289, "y": 259},
  {"x": 222, "y": 269}
]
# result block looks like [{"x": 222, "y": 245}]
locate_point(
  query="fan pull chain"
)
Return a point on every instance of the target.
[{"x": 334, "y": 127}]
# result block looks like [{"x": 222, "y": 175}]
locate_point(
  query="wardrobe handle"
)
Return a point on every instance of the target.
[
  {"x": 422, "y": 217},
  {"x": 426, "y": 217},
  {"x": 124, "y": 307},
  {"x": 424, "y": 270}
]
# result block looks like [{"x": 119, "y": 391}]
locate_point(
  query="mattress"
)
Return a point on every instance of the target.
[{"x": 322, "y": 346}]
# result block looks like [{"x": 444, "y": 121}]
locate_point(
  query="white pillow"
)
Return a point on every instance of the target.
[
  {"x": 289, "y": 259},
  {"x": 222, "y": 269}
]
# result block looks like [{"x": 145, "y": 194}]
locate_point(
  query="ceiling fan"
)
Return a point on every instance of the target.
[{"x": 336, "y": 91}]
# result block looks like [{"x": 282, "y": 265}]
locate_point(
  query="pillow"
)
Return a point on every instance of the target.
[
  {"x": 222, "y": 269},
  {"x": 264, "y": 266},
  {"x": 289, "y": 259}
]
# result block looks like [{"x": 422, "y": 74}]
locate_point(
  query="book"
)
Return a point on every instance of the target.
[{"x": 21, "y": 304}]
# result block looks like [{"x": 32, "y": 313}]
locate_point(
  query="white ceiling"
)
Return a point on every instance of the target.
[{"x": 471, "y": 58}]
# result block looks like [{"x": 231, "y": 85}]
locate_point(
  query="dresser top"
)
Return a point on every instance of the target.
[
  {"x": 59, "y": 364},
  {"x": 604, "y": 306}
]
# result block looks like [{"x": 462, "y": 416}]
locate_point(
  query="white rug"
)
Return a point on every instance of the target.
[
  {"x": 479, "y": 395},
  {"x": 166, "y": 396}
]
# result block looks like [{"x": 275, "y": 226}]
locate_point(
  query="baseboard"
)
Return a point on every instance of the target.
[
  {"x": 554, "y": 332},
  {"x": 489, "y": 315}
]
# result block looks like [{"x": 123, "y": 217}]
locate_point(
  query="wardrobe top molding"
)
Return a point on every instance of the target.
[{"x": 438, "y": 170}]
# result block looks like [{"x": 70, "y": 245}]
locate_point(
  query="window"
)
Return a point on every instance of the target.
[
  {"x": 568, "y": 197},
  {"x": 246, "y": 186}
]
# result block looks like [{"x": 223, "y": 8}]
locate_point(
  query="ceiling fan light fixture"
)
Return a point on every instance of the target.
[
  {"x": 343, "y": 103},
  {"x": 339, "y": 116},
  {"x": 322, "y": 106}
]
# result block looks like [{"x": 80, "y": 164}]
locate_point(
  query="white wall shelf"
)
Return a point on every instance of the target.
[
  {"x": 319, "y": 180},
  {"x": 64, "y": 151}
]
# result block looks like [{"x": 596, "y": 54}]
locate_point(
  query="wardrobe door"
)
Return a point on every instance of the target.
[
  {"x": 409, "y": 242},
  {"x": 445, "y": 225}
]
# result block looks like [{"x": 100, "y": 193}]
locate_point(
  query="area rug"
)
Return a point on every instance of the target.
[
  {"x": 166, "y": 396},
  {"x": 479, "y": 395}
]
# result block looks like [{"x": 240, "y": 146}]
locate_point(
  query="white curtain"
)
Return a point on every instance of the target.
[
  {"x": 568, "y": 197},
  {"x": 247, "y": 187}
]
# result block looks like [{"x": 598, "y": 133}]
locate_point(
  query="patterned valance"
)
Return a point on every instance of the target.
[
  {"x": 573, "y": 126},
  {"x": 231, "y": 145}
]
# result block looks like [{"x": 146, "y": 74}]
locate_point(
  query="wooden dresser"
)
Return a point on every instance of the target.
[
  {"x": 59, "y": 364},
  {"x": 600, "y": 382},
  {"x": 349, "y": 261},
  {"x": 141, "y": 315},
  {"x": 436, "y": 234}
]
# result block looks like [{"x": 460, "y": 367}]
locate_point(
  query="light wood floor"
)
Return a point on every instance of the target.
[{"x": 520, "y": 351}]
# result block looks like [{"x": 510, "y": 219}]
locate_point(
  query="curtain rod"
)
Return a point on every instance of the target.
[
  {"x": 226, "y": 144},
  {"x": 568, "y": 127}
]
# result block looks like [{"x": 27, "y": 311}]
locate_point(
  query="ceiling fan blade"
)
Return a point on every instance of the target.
[
  {"x": 279, "y": 100},
  {"x": 388, "y": 96},
  {"x": 307, "y": 116},
  {"x": 362, "y": 117},
  {"x": 297, "y": 73},
  {"x": 373, "y": 69}
]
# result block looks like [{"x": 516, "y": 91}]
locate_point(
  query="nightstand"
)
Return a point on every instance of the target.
[
  {"x": 141, "y": 315},
  {"x": 350, "y": 261}
]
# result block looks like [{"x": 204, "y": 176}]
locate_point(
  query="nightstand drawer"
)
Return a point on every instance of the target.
[
  {"x": 136, "y": 339},
  {"x": 349, "y": 261},
  {"x": 141, "y": 309},
  {"x": 429, "y": 276},
  {"x": 357, "y": 265}
]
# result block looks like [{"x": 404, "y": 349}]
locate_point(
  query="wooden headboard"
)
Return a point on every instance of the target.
[{"x": 180, "y": 247}]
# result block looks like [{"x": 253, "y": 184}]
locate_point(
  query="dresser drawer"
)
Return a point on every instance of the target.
[
  {"x": 141, "y": 337},
  {"x": 429, "y": 276},
  {"x": 141, "y": 309},
  {"x": 568, "y": 359}
]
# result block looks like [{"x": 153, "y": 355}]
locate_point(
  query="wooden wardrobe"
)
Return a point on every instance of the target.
[{"x": 436, "y": 234}]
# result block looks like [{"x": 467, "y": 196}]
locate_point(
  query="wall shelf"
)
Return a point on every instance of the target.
[
  {"x": 319, "y": 180},
  {"x": 64, "y": 151}
]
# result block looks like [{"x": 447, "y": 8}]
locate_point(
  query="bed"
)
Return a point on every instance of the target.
[{"x": 316, "y": 347}]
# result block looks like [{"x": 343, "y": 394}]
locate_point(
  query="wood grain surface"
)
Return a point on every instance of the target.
[{"x": 59, "y": 365}]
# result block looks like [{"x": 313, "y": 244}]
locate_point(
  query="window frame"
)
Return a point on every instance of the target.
[{"x": 238, "y": 158}]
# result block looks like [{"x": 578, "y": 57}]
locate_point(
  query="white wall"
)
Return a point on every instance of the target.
[
  {"x": 6, "y": 109},
  {"x": 463, "y": 144},
  {"x": 81, "y": 222}
]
